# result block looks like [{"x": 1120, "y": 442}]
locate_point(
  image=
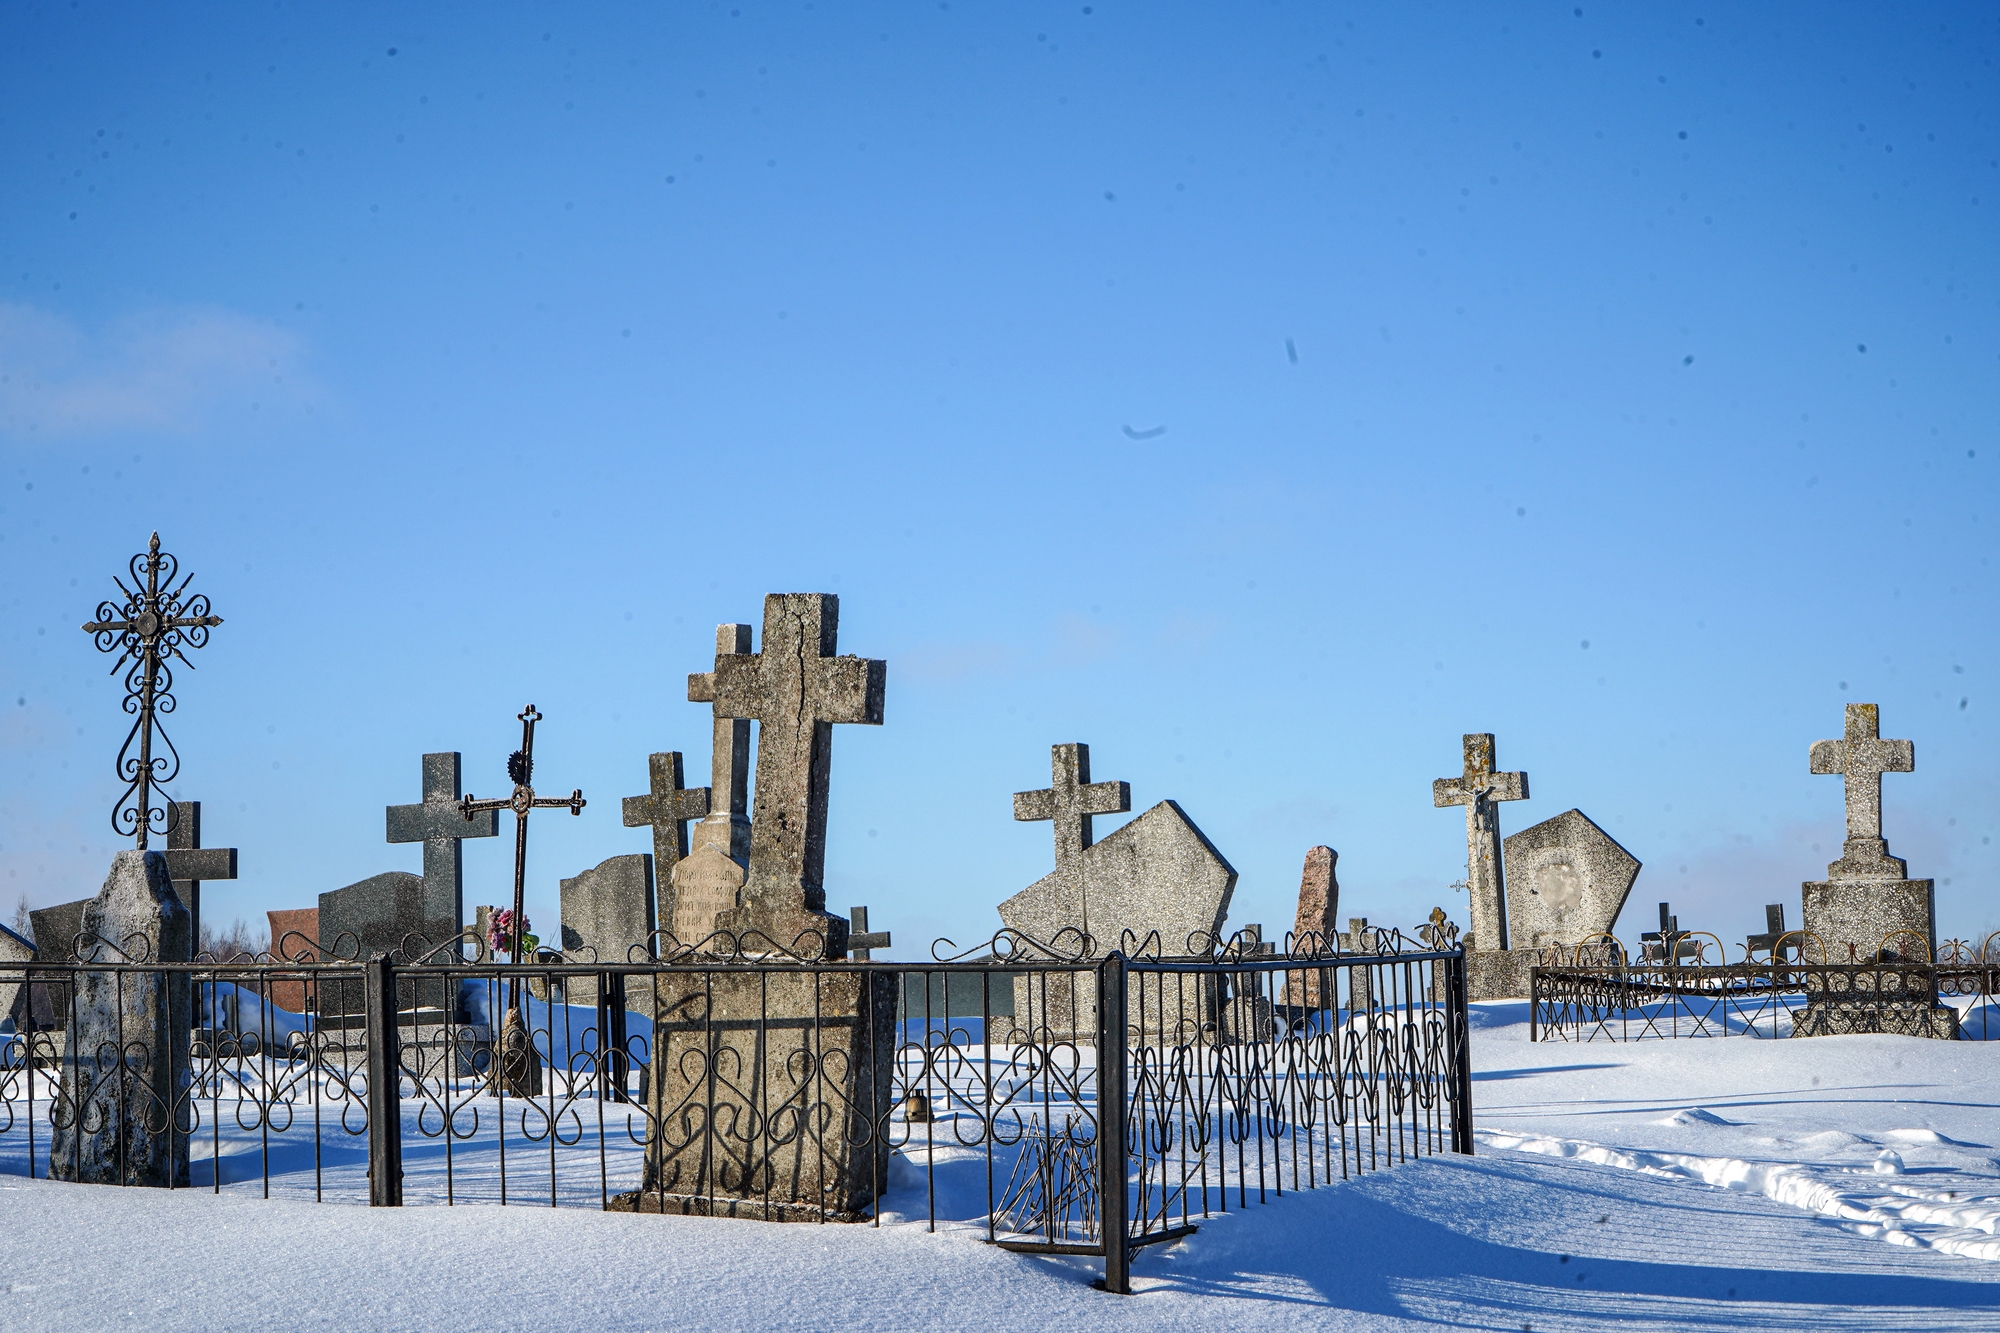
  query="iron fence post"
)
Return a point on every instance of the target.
[
  {"x": 611, "y": 1031},
  {"x": 1113, "y": 1222},
  {"x": 1461, "y": 1056},
  {"x": 385, "y": 1116}
]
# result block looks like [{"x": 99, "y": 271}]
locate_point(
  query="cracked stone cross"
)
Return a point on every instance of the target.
[
  {"x": 1478, "y": 789},
  {"x": 1861, "y": 757},
  {"x": 795, "y": 689}
]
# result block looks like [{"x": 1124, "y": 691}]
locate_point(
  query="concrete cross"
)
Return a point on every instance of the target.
[
  {"x": 1070, "y": 799},
  {"x": 439, "y": 824},
  {"x": 727, "y": 827},
  {"x": 795, "y": 689},
  {"x": 667, "y": 807},
  {"x": 189, "y": 863},
  {"x": 1478, "y": 789},
  {"x": 1861, "y": 757}
]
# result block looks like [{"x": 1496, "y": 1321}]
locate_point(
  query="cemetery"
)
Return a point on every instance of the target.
[{"x": 1120, "y": 1066}]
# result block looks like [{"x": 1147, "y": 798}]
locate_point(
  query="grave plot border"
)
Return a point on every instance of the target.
[{"x": 1599, "y": 992}]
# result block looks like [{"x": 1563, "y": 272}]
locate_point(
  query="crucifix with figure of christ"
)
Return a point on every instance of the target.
[
  {"x": 521, "y": 768},
  {"x": 1478, "y": 789},
  {"x": 156, "y": 620}
]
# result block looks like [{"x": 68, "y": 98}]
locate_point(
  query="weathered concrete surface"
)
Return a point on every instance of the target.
[
  {"x": 607, "y": 917},
  {"x": 796, "y": 689},
  {"x": 710, "y": 879},
  {"x": 56, "y": 929},
  {"x": 15, "y": 952},
  {"x": 708, "y": 883},
  {"x": 441, "y": 827},
  {"x": 122, "y": 1118},
  {"x": 1498, "y": 974},
  {"x": 1567, "y": 880},
  {"x": 1479, "y": 789},
  {"x": 784, "y": 1149}
]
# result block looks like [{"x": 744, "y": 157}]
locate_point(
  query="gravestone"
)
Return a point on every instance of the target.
[
  {"x": 189, "y": 863},
  {"x": 1567, "y": 881},
  {"x": 384, "y": 913},
  {"x": 759, "y": 1026},
  {"x": 1313, "y": 928},
  {"x": 1670, "y": 944},
  {"x": 125, "y": 1069},
  {"x": 1156, "y": 885},
  {"x": 1867, "y": 908},
  {"x": 442, "y": 827},
  {"x": 294, "y": 939},
  {"x": 1774, "y": 941},
  {"x": 710, "y": 879},
  {"x": 1490, "y": 971},
  {"x": 607, "y": 917},
  {"x": 56, "y": 929},
  {"x": 861, "y": 941}
]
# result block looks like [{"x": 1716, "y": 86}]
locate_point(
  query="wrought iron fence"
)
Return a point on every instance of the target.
[
  {"x": 1598, "y": 991},
  {"x": 738, "y": 1078}
]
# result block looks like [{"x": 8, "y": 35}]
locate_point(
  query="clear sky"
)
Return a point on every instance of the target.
[{"x": 1263, "y": 394}]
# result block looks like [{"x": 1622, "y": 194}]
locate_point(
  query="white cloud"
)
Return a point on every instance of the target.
[{"x": 173, "y": 370}]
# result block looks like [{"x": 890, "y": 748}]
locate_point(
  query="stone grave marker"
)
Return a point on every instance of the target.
[
  {"x": 861, "y": 941},
  {"x": 1156, "y": 884},
  {"x": 123, "y": 1131},
  {"x": 1670, "y": 944},
  {"x": 1773, "y": 940},
  {"x": 1313, "y": 928},
  {"x": 1491, "y": 969},
  {"x": 1567, "y": 880},
  {"x": 189, "y": 863},
  {"x": 294, "y": 938},
  {"x": 1867, "y": 907},
  {"x": 441, "y": 825},
  {"x": 15, "y": 954},
  {"x": 607, "y": 917},
  {"x": 56, "y": 929},
  {"x": 796, "y": 689},
  {"x": 710, "y": 879}
]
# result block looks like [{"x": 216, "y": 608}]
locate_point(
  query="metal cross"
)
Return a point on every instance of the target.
[
  {"x": 521, "y": 768},
  {"x": 158, "y": 619},
  {"x": 860, "y": 939}
]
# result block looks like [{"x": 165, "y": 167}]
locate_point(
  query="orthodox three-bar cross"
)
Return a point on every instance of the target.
[
  {"x": 521, "y": 768},
  {"x": 1478, "y": 789},
  {"x": 156, "y": 620}
]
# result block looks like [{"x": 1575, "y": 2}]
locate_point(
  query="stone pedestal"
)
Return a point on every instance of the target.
[
  {"x": 1893, "y": 918},
  {"x": 1498, "y": 974},
  {"x": 770, "y": 1090},
  {"x": 121, "y": 1119}
]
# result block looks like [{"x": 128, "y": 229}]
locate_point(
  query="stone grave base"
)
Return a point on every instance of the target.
[
  {"x": 1873, "y": 914},
  {"x": 339, "y": 1042},
  {"x": 755, "y": 1210},
  {"x": 1497, "y": 974},
  {"x": 1828, "y": 1018},
  {"x": 771, "y": 1089}
]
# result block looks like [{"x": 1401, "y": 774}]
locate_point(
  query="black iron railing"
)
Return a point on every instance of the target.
[{"x": 732, "y": 1079}]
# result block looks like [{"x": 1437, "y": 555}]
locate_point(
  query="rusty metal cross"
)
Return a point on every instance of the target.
[
  {"x": 521, "y": 768},
  {"x": 156, "y": 620}
]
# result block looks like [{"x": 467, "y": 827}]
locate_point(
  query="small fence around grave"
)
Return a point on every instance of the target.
[
  {"x": 1598, "y": 991},
  {"x": 721, "y": 1080}
]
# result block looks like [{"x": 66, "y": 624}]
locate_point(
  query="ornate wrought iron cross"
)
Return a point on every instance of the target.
[
  {"x": 521, "y": 768},
  {"x": 158, "y": 620}
]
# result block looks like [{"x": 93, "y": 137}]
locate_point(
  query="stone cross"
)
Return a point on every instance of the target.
[
  {"x": 796, "y": 689},
  {"x": 860, "y": 939},
  {"x": 1861, "y": 757},
  {"x": 727, "y": 825},
  {"x": 1070, "y": 799},
  {"x": 189, "y": 863},
  {"x": 439, "y": 825},
  {"x": 1478, "y": 789},
  {"x": 1772, "y": 941},
  {"x": 668, "y": 807}
]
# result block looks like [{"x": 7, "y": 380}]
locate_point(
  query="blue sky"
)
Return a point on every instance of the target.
[{"x": 1264, "y": 395}]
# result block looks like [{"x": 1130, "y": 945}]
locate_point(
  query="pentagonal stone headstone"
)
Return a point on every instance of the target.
[
  {"x": 1566, "y": 881},
  {"x": 125, "y": 1067}
]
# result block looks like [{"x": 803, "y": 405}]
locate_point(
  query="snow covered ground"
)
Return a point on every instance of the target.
[{"x": 1842, "y": 1182}]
